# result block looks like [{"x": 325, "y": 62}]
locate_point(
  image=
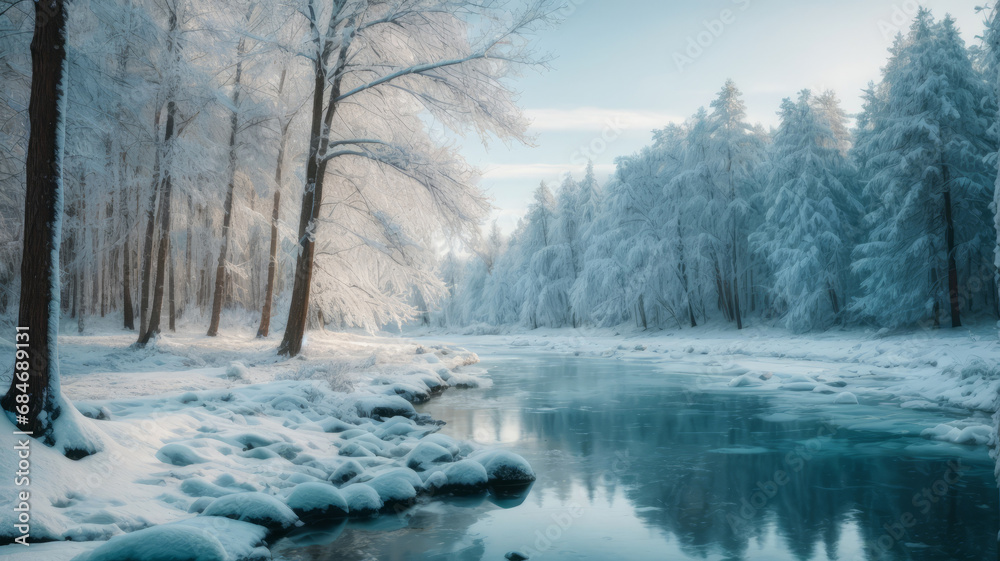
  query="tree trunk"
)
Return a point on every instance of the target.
[
  {"x": 34, "y": 398},
  {"x": 312, "y": 200},
  {"x": 147, "y": 240},
  {"x": 956, "y": 318},
  {"x": 153, "y": 327},
  {"x": 127, "y": 289},
  {"x": 82, "y": 267},
  {"x": 265, "y": 315},
  {"x": 736, "y": 302},
  {"x": 172, "y": 315},
  {"x": 220, "y": 269},
  {"x": 187, "y": 257}
]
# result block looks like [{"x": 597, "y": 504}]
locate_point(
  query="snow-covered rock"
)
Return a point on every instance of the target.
[
  {"x": 846, "y": 398},
  {"x": 362, "y": 500},
  {"x": 465, "y": 476},
  {"x": 384, "y": 407},
  {"x": 197, "y": 539},
  {"x": 397, "y": 486},
  {"x": 256, "y": 508},
  {"x": 426, "y": 454},
  {"x": 346, "y": 472},
  {"x": 317, "y": 501},
  {"x": 504, "y": 466}
]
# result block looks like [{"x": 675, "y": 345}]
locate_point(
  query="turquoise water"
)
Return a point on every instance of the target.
[{"x": 635, "y": 463}]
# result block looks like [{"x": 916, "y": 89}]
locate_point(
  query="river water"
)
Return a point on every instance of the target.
[{"x": 636, "y": 463}]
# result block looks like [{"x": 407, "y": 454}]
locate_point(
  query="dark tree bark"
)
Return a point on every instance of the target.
[
  {"x": 684, "y": 277},
  {"x": 187, "y": 257},
  {"x": 147, "y": 240},
  {"x": 172, "y": 315},
  {"x": 127, "y": 311},
  {"x": 956, "y": 317},
  {"x": 227, "y": 219},
  {"x": 312, "y": 200},
  {"x": 153, "y": 326},
  {"x": 265, "y": 315},
  {"x": 33, "y": 396},
  {"x": 82, "y": 268}
]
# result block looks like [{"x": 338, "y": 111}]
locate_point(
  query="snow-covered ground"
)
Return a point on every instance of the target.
[
  {"x": 220, "y": 444},
  {"x": 212, "y": 446}
]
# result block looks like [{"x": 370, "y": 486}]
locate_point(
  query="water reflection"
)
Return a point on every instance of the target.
[{"x": 632, "y": 465}]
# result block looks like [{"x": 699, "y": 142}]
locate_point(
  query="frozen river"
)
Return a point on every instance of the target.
[{"x": 634, "y": 463}]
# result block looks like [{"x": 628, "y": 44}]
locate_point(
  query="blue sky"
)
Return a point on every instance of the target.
[{"x": 625, "y": 67}]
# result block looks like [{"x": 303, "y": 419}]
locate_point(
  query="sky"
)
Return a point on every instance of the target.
[{"x": 622, "y": 68}]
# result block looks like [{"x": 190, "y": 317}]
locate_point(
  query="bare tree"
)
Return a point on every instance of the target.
[{"x": 375, "y": 67}]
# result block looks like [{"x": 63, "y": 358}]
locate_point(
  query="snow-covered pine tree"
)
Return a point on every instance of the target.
[
  {"x": 921, "y": 155},
  {"x": 533, "y": 261},
  {"x": 991, "y": 69},
  {"x": 733, "y": 150},
  {"x": 806, "y": 236}
]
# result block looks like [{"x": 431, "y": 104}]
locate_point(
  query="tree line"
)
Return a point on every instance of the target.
[
  {"x": 813, "y": 224},
  {"x": 150, "y": 146}
]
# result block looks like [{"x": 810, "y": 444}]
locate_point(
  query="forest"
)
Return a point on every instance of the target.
[
  {"x": 197, "y": 138},
  {"x": 886, "y": 220},
  {"x": 258, "y": 303}
]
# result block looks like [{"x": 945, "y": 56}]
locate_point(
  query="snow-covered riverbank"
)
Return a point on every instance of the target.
[
  {"x": 952, "y": 371},
  {"x": 197, "y": 431}
]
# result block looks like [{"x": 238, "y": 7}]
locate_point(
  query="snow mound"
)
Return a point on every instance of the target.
[
  {"x": 504, "y": 466},
  {"x": 383, "y": 407},
  {"x": 395, "y": 487},
  {"x": 179, "y": 455},
  {"x": 255, "y": 508},
  {"x": 237, "y": 371},
  {"x": 972, "y": 434},
  {"x": 396, "y": 426},
  {"x": 317, "y": 501},
  {"x": 362, "y": 500},
  {"x": 198, "y": 487},
  {"x": 465, "y": 476},
  {"x": 346, "y": 472},
  {"x": 448, "y": 443},
  {"x": 799, "y": 386},
  {"x": 746, "y": 380},
  {"x": 846, "y": 398},
  {"x": 171, "y": 542},
  {"x": 426, "y": 454}
]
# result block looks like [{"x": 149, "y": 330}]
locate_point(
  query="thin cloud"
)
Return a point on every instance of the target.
[
  {"x": 540, "y": 171},
  {"x": 596, "y": 119}
]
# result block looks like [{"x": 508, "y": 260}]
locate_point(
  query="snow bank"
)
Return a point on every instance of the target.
[
  {"x": 970, "y": 434},
  {"x": 216, "y": 442}
]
